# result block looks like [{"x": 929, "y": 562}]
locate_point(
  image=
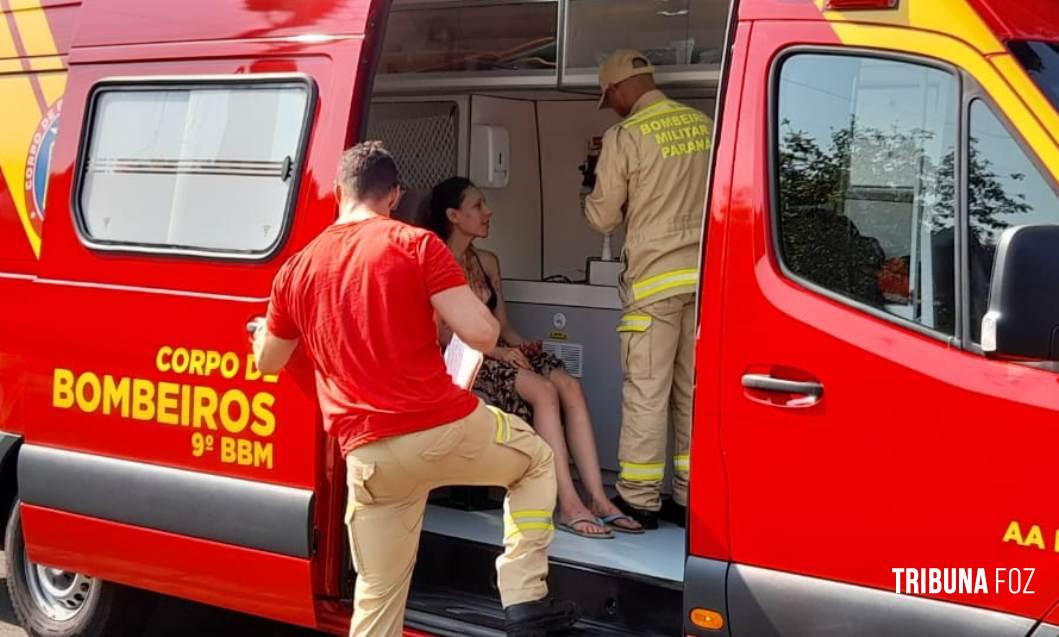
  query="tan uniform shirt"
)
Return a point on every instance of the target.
[{"x": 651, "y": 174}]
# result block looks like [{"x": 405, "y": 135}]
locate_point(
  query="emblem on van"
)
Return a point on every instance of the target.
[{"x": 38, "y": 165}]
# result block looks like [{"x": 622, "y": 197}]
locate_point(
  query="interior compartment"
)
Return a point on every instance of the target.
[{"x": 450, "y": 72}]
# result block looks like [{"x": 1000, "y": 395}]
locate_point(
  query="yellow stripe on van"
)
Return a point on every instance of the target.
[
  {"x": 52, "y": 84},
  {"x": 7, "y": 42},
  {"x": 33, "y": 28},
  {"x": 953, "y": 31},
  {"x": 960, "y": 54},
  {"x": 17, "y": 126},
  {"x": 51, "y": 63},
  {"x": 955, "y": 17},
  {"x": 22, "y": 113}
]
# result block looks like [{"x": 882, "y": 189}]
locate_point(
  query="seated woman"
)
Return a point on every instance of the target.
[{"x": 519, "y": 377}]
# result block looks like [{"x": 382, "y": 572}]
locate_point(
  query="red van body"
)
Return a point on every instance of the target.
[{"x": 143, "y": 448}]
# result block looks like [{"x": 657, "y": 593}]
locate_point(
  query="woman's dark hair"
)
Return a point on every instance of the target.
[{"x": 448, "y": 194}]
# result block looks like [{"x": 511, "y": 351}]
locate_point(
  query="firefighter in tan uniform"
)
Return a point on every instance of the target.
[
  {"x": 384, "y": 393},
  {"x": 651, "y": 175}
]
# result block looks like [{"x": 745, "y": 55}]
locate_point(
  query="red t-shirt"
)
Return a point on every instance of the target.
[{"x": 358, "y": 297}]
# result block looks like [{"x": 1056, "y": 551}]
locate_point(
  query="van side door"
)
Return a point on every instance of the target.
[
  {"x": 199, "y": 155},
  {"x": 865, "y": 435}
]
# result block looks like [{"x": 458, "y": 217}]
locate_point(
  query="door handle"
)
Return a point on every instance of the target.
[
  {"x": 253, "y": 324},
  {"x": 810, "y": 392}
]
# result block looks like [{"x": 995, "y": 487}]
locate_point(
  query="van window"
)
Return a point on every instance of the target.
[
  {"x": 1005, "y": 189},
  {"x": 866, "y": 182},
  {"x": 1041, "y": 61},
  {"x": 202, "y": 169}
]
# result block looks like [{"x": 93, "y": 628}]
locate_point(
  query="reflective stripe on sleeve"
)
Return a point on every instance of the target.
[{"x": 666, "y": 281}]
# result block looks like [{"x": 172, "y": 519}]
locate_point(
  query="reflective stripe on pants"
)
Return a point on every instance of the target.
[
  {"x": 658, "y": 362},
  {"x": 389, "y": 481},
  {"x": 674, "y": 281}
]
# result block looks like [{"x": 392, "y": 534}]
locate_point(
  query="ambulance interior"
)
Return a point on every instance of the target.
[{"x": 505, "y": 92}]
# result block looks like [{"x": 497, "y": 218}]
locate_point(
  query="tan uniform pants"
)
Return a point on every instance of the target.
[
  {"x": 389, "y": 482},
  {"x": 658, "y": 358}
]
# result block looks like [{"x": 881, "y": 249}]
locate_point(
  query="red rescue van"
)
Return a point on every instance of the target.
[{"x": 877, "y": 398}]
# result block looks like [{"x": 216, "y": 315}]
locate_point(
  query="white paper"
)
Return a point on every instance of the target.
[{"x": 462, "y": 362}]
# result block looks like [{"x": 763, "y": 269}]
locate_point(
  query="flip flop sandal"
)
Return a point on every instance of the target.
[
  {"x": 611, "y": 519},
  {"x": 571, "y": 527}
]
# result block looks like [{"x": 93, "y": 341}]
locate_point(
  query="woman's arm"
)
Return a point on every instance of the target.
[
  {"x": 491, "y": 264},
  {"x": 464, "y": 312}
]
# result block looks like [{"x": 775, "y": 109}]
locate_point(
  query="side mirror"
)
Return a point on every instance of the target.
[{"x": 1023, "y": 317}]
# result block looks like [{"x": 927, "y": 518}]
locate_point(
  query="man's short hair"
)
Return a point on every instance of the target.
[{"x": 367, "y": 171}]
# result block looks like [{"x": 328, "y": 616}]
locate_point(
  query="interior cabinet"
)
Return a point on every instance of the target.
[
  {"x": 684, "y": 39},
  {"x": 447, "y": 45}
]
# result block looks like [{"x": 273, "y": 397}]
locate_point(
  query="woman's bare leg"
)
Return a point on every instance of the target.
[
  {"x": 544, "y": 398},
  {"x": 582, "y": 440}
]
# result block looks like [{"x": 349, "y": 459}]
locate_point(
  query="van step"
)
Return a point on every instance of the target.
[
  {"x": 454, "y": 616},
  {"x": 455, "y": 581},
  {"x": 446, "y": 626}
]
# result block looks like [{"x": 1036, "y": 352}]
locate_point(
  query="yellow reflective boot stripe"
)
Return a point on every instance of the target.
[
  {"x": 682, "y": 462},
  {"x": 666, "y": 281},
  {"x": 528, "y": 520},
  {"x": 634, "y": 323},
  {"x": 503, "y": 425},
  {"x": 636, "y": 472}
]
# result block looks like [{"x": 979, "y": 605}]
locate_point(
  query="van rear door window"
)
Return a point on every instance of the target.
[
  {"x": 200, "y": 169},
  {"x": 866, "y": 157},
  {"x": 1041, "y": 61}
]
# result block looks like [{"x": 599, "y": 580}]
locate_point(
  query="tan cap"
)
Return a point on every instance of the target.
[{"x": 620, "y": 66}]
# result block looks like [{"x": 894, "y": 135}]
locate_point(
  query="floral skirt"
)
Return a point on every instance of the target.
[{"x": 496, "y": 380}]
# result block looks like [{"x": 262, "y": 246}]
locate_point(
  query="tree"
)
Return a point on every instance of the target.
[{"x": 874, "y": 165}]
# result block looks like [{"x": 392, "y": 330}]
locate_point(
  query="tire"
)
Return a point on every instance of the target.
[{"x": 52, "y": 603}]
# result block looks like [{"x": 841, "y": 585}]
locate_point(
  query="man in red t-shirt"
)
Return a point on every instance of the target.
[{"x": 362, "y": 299}]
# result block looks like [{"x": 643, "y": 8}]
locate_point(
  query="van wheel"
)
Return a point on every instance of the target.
[{"x": 50, "y": 602}]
